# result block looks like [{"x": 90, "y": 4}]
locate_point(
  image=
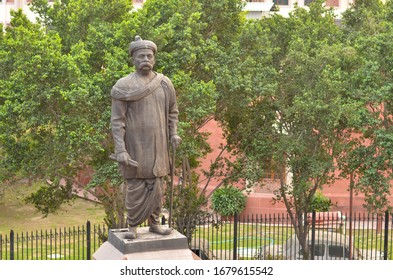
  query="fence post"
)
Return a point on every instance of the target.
[
  {"x": 235, "y": 237},
  {"x": 385, "y": 245},
  {"x": 88, "y": 240},
  {"x": 313, "y": 222},
  {"x": 12, "y": 245}
]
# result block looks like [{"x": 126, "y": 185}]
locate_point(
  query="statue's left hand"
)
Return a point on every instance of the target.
[{"x": 175, "y": 140}]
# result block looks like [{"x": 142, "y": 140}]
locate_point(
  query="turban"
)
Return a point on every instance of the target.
[{"x": 138, "y": 44}]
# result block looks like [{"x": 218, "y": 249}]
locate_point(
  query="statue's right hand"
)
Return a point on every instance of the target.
[{"x": 125, "y": 158}]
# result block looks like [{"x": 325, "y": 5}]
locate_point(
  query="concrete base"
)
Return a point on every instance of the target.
[{"x": 147, "y": 246}]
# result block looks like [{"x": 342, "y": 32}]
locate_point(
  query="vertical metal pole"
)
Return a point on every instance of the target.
[
  {"x": 1, "y": 247},
  {"x": 55, "y": 240},
  {"x": 32, "y": 244},
  {"x": 65, "y": 243},
  {"x": 79, "y": 247},
  {"x": 350, "y": 215},
  {"x": 88, "y": 240},
  {"x": 385, "y": 245},
  {"x": 313, "y": 222},
  {"x": 12, "y": 245},
  {"x": 69, "y": 243},
  {"x": 50, "y": 242},
  {"x": 235, "y": 237},
  {"x": 94, "y": 240},
  {"x": 22, "y": 244},
  {"x": 41, "y": 250},
  {"x": 274, "y": 225},
  {"x": 60, "y": 247}
]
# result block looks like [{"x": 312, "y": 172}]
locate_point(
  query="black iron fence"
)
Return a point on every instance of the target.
[
  {"x": 330, "y": 236},
  {"x": 76, "y": 243}
]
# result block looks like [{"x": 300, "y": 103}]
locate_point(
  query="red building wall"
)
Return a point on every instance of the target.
[{"x": 260, "y": 201}]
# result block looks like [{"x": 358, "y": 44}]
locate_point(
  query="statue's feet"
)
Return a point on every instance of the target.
[
  {"x": 131, "y": 234},
  {"x": 160, "y": 230}
]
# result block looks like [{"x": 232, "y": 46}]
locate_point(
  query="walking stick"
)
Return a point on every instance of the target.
[{"x": 172, "y": 178}]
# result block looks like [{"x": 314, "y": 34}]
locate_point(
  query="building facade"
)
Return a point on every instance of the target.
[
  {"x": 260, "y": 8},
  {"x": 7, "y": 5}
]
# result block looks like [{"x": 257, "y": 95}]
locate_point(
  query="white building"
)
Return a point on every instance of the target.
[
  {"x": 7, "y": 5},
  {"x": 259, "y": 8}
]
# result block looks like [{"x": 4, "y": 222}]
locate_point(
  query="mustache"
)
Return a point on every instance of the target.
[{"x": 144, "y": 64}]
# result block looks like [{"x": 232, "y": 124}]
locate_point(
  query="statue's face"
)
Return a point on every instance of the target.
[{"x": 143, "y": 60}]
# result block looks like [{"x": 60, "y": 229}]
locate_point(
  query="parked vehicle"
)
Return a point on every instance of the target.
[{"x": 328, "y": 245}]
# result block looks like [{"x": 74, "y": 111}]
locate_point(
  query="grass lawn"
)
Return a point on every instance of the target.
[{"x": 15, "y": 214}]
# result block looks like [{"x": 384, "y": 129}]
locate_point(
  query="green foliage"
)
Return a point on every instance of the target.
[
  {"x": 289, "y": 92},
  {"x": 228, "y": 201},
  {"x": 320, "y": 203},
  {"x": 57, "y": 76},
  {"x": 369, "y": 27},
  {"x": 188, "y": 202},
  {"x": 287, "y": 105},
  {"x": 108, "y": 186},
  {"x": 55, "y": 105},
  {"x": 50, "y": 197},
  {"x": 191, "y": 35},
  {"x": 36, "y": 77}
]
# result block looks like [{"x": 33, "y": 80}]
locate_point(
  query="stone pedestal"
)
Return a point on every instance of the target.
[{"x": 147, "y": 246}]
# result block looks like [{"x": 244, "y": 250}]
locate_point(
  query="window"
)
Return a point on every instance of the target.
[
  {"x": 339, "y": 252},
  {"x": 280, "y": 2},
  {"x": 271, "y": 171}
]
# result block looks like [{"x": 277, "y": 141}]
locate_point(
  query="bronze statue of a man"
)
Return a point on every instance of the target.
[{"x": 144, "y": 123}]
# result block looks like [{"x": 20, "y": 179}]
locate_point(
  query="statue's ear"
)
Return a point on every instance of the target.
[{"x": 131, "y": 60}]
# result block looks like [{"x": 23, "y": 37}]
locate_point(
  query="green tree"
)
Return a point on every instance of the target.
[
  {"x": 34, "y": 85},
  {"x": 55, "y": 92},
  {"x": 90, "y": 40},
  {"x": 369, "y": 28},
  {"x": 192, "y": 36},
  {"x": 289, "y": 105}
]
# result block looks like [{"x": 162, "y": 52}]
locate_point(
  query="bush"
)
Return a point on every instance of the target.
[
  {"x": 320, "y": 203},
  {"x": 228, "y": 201}
]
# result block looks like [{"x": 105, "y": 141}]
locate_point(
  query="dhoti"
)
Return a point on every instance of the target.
[{"x": 143, "y": 200}]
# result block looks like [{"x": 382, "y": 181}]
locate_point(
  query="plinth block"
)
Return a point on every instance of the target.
[{"x": 147, "y": 246}]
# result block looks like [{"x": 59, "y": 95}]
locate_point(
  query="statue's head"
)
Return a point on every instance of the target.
[
  {"x": 138, "y": 44},
  {"x": 142, "y": 53}
]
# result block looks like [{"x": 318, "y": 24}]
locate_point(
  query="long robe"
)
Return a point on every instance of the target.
[{"x": 143, "y": 120}]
